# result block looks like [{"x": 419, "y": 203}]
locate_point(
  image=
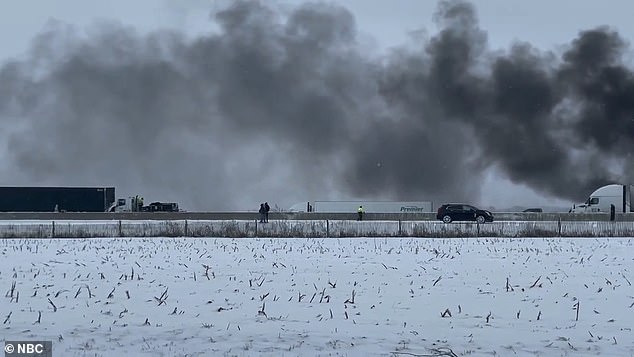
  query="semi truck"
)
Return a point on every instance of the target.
[
  {"x": 368, "y": 206},
  {"x": 74, "y": 199},
  {"x": 135, "y": 204},
  {"x": 56, "y": 199},
  {"x": 621, "y": 196}
]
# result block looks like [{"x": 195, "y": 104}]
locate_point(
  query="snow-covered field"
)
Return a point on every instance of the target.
[{"x": 355, "y": 297}]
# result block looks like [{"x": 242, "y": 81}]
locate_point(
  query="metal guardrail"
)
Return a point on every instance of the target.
[{"x": 308, "y": 228}]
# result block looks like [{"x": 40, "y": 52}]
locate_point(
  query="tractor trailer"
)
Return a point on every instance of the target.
[
  {"x": 621, "y": 196},
  {"x": 135, "y": 204},
  {"x": 55, "y": 199},
  {"x": 368, "y": 206},
  {"x": 74, "y": 199}
]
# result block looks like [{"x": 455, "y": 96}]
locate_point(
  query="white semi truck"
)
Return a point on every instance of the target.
[
  {"x": 621, "y": 196},
  {"x": 135, "y": 204},
  {"x": 368, "y": 206}
]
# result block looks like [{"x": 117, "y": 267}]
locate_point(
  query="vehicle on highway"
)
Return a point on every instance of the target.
[
  {"x": 618, "y": 195},
  {"x": 74, "y": 199},
  {"x": 463, "y": 212},
  {"x": 533, "y": 210},
  {"x": 368, "y": 206},
  {"x": 135, "y": 204},
  {"x": 55, "y": 199}
]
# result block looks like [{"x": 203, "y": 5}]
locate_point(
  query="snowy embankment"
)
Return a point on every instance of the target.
[
  {"x": 309, "y": 228},
  {"x": 361, "y": 297}
]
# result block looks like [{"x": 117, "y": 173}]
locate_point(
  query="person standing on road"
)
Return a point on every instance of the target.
[
  {"x": 267, "y": 208},
  {"x": 262, "y": 212},
  {"x": 360, "y": 213}
]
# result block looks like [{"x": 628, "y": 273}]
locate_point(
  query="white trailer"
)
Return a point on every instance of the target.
[
  {"x": 368, "y": 206},
  {"x": 621, "y": 196}
]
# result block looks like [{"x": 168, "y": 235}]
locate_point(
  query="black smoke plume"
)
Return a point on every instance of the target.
[{"x": 288, "y": 108}]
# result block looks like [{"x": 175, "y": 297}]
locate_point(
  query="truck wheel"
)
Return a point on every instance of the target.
[
  {"x": 446, "y": 219},
  {"x": 480, "y": 219}
]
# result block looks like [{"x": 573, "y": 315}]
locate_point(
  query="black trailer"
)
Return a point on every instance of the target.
[{"x": 51, "y": 199}]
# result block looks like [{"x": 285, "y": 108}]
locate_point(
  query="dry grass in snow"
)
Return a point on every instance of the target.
[{"x": 373, "y": 296}]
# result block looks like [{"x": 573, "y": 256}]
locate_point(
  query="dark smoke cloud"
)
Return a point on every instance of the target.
[
  {"x": 289, "y": 108},
  {"x": 555, "y": 125}
]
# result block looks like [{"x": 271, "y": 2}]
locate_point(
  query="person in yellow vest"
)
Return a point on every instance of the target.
[{"x": 360, "y": 213}]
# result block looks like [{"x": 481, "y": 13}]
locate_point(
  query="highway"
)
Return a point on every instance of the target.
[{"x": 499, "y": 216}]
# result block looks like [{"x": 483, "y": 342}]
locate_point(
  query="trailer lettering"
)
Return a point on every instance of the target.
[{"x": 412, "y": 209}]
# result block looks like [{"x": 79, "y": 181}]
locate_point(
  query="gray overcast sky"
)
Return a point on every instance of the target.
[{"x": 546, "y": 24}]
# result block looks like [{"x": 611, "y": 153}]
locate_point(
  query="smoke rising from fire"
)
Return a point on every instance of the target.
[{"x": 289, "y": 107}]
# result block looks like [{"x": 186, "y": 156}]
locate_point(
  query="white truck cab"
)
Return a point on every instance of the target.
[
  {"x": 601, "y": 200},
  {"x": 130, "y": 204}
]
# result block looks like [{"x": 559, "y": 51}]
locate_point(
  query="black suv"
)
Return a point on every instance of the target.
[{"x": 461, "y": 212}]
